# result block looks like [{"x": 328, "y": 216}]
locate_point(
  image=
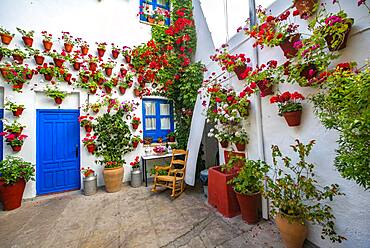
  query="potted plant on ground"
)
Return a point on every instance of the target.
[
  {"x": 135, "y": 141},
  {"x": 108, "y": 67},
  {"x": 101, "y": 48},
  {"x": 290, "y": 107},
  {"x": 248, "y": 185},
  {"x": 69, "y": 41},
  {"x": 136, "y": 178},
  {"x": 296, "y": 196},
  {"x": 112, "y": 143},
  {"x": 14, "y": 174},
  {"x": 89, "y": 143},
  {"x": 115, "y": 51},
  {"x": 135, "y": 122},
  {"x": 47, "y": 40},
  {"x": 86, "y": 122},
  {"x": 6, "y": 36},
  {"x": 89, "y": 181},
  {"x": 148, "y": 140},
  {"x": 19, "y": 55},
  {"x": 171, "y": 136},
  {"x": 17, "y": 109},
  {"x": 27, "y": 36},
  {"x": 240, "y": 139},
  {"x": 56, "y": 94}
]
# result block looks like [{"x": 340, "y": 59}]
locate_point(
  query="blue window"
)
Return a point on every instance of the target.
[
  {"x": 149, "y": 8},
  {"x": 157, "y": 118}
]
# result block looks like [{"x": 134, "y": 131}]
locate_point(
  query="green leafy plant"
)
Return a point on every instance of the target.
[
  {"x": 11, "y": 106},
  {"x": 20, "y": 53},
  {"x": 25, "y": 33},
  {"x": 55, "y": 92},
  {"x": 240, "y": 137},
  {"x": 288, "y": 102},
  {"x": 14, "y": 127},
  {"x": 4, "y": 51},
  {"x": 294, "y": 192},
  {"x": 14, "y": 168},
  {"x": 5, "y": 31}
]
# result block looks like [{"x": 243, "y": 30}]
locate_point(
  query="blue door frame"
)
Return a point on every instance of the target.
[{"x": 57, "y": 151}]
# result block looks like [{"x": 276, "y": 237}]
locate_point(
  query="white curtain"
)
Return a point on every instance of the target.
[
  {"x": 150, "y": 123},
  {"x": 164, "y": 109},
  {"x": 165, "y": 123},
  {"x": 150, "y": 108}
]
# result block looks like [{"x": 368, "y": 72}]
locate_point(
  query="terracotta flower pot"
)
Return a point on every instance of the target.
[
  {"x": 29, "y": 76},
  {"x": 92, "y": 66},
  {"x": 77, "y": 65},
  {"x": 108, "y": 71},
  {"x": 91, "y": 148},
  {"x": 58, "y": 100},
  {"x": 4, "y": 72},
  {"x": 16, "y": 148},
  {"x": 171, "y": 139},
  {"x": 84, "y": 50},
  {"x": 135, "y": 126},
  {"x": 250, "y": 207},
  {"x": 128, "y": 59},
  {"x": 265, "y": 87},
  {"x": 122, "y": 90},
  {"x": 68, "y": 77},
  {"x": 240, "y": 146},
  {"x": 27, "y": 41},
  {"x": 292, "y": 232},
  {"x": 39, "y": 59},
  {"x": 92, "y": 90},
  {"x": 88, "y": 128},
  {"x": 85, "y": 79},
  {"x": 47, "y": 45},
  {"x": 18, "y": 58},
  {"x": 305, "y": 7},
  {"x": 100, "y": 81},
  {"x": 115, "y": 81},
  {"x": 12, "y": 194},
  {"x": 239, "y": 70},
  {"x": 18, "y": 112},
  {"x": 18, "y": 85},
  {"x": 48, "y": 77},
  {"x": 137, "y": 92},
  {"x": 151, "y": 19},
  {"x": 224, "y": 143},
  {"x": 113, "y": 179},
  {"x": 135, "y": 144},
  {"x": 6, "y": 39},
  {"x": 107, "y": 89},
  {"x": 293, "y": 118},
  {"x": 68, "y": 47},
  {"x": 123, "y": 72},
  {"x": 287, "y": 45},
  {"x": 330, "y": 39},
  {"x": 58, "y": 62},
  {"x": 115, "y": 54},
  {"x": 101, "y": 52}
]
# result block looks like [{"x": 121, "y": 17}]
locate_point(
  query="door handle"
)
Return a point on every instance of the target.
[{"x": 76, "y": 151}]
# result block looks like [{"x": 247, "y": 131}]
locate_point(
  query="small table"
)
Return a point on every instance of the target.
[{"x": 145, "y": 158}]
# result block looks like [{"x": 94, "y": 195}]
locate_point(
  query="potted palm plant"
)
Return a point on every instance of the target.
[
  {"x": 14, "y": 174},
  {"x": 248, "y": 185},
  {"x": 290, "y": 107},
  {"x": 296, "y": 197},
  {"x": 56, "y": 94},
  {"x": 27, "y": 36},
  {"x": 6, "y": 36}
]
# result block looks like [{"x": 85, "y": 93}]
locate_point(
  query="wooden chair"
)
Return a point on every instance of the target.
[{"x": 175, "y": 174}]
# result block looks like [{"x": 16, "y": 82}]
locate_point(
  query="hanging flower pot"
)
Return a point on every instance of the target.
[
  {"x": 29, "y": 76},
  {"x": 88, "y": 128},
  {"x": 151, "y": 19},
  {"x": 48, "y": 77},
  {"x": 92, "y": 66},
  {"x": 115, "y": 81},
  {"x": 58, "y": 62},
  {"x": 306, "y": 8},
  {"x": 107, "y": 89},
  {"x": 137, "y": 92},
  {"x": 287, "y": 45},
  {"x": 101, "y": 52},
  {"x": 240, "y": 146},
  {"x": 135, "y": 144},
  {"x": 292, "y": 231},
  {"x": 340, "y": 45},
  {"x": 123, "y": 72},
  {"x": 250, "y": 206},
  {"x": 18, "y": 86},
  {"x": 135, "y": 126},
  {"x": 12, "y": 194},
  {"x": 68, "y": 47},
  {"x": 85, "y": 79},
  {"x": 122, "y": 90},
  {"x": 6, "y": 39},
  {"x": 171, "y": 139},
  {"x": 108, "y": 71},
  {"x": 68, "y": 77},
  {"x": 91, "y": 148},
  {"x": 16, "y": 148},
  {"x": 58, "y": 100},
  {"x": 4, "y": 72},
  {"x": 18, "y": 112},
  {"x": 115, "y": 54},
  {"x": 309, "y": 71},
  {"x": 39, "y": 59},
  {"x": 18, "y": 58},
  {"x": 84, "y": 50},
  {"x": 265, "y": 87},
  {"x": 293, "y": 118},
  {"x": 224, "y": 143},
  {"x": 239, "y": 71},
  {"x": 77, "y": 65},
  {"x": 47, "y": 45},
  {"x": 92, "y": 90},
  {"x": 128, "y": 59},
  {"x": 100, "y": 81},
  {"x": 27, "y": 41}
]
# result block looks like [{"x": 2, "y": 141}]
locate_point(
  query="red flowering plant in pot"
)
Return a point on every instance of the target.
[
  {"x": 58, "y": 58},
  {"x": 27, "y": 36},
  {"x": 135, "y": 140},
  {"x": 108, "y": 66},
  {"x": 69, "y": 41},
  {"x": 84, "y": 76},
  {"x": 19, "y": 55},
  {"x": 306, "y": 8},
  {"x": 171, "y": 136},
  {"x": 49, "y": 71},
  {"x": 15, "y": 128},
  {"x": 16, "y": 109},
  {"x": 86, "y": 122},
  {"x": 290, "y": 107},
  {"x": 17, "y": 75},
  {"x": 37, "y": 55},
  {"x": 93, "y": 62},
  {"x": 135, "y": 122},
  {"x": 84, "y": 46},
  {"x": 136, "y": 163},
  {"x": 108, "y": 86},
  {"x": 89, "y": 143},
  {"x": 6, "y": 36},
  {"x": 232, "y": 63},
  {"x": 127, "y": 52},
  {"x": 56, "y": 94},
  {"x": 14, "y": 174},
  {"x": 87, "y": 172},
  {"x": 126, "y": 83},
  {"x": 102, "y": 46},
  {"x": 14, "y": 140},
  {"x": 275, "y": 31},
  {"x": 335, "y": 28},
  {"x": 47, "y": 40},
  {"x": 115, "y": 51}
]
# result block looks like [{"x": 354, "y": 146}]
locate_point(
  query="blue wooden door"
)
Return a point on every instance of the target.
[
  {"x": 58, "y": 146},
  {"x": 1, "y": 137}
]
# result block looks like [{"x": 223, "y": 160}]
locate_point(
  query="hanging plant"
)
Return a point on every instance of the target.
[
  {"x": 95, "y": 107},
  {"x": 135, "y": 122},
  {"x": 5, "y": 52},
  {"x": 17, "y": 109},
  {"x": 108, "y": 67},
  {"x": 108, "y": 86},
  {"x": 115, "y": 51},
  {"x": 89, "y": 143},
  {"x": 27, "y": 36},
  {"x": 15, "y": 128},
  {"x": 16, "y": 75},
  {"x": 15, "y": 141},
  {"x": 135, "y": 141},
  {"x": 83, "y": 45},
  {"x": 6, "y": 36},
  {"x": 37, "y": 55},
  {"x": 49, "y": 71},
  {"x": 240, "y": 139},
  {"x": 86, "y": 122},
  {"x": 101, "y": 48},
  {"x": 290, "y": 107},
  {"x": 127, "y": 52},
  {"x": 69, "y": 41},
  {"x": 47, "y": 40},
  {"x": 93, "y": 62},
  {"x": 56, "y": 94},
  {"x": 19, "y": 55}
]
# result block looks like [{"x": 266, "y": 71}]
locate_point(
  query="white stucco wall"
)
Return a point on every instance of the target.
[
  {"x": 352, "y": 210},
  {"x": 94, "y": 21}
]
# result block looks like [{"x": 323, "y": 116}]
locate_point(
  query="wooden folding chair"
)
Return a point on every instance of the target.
[{"x": 175, "y": 174}]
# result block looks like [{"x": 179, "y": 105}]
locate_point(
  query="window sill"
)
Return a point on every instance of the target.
[{"x": 160, "y": 144}]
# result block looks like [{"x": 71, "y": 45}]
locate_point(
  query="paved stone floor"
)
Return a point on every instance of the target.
[{"x": 133, "y": 217}]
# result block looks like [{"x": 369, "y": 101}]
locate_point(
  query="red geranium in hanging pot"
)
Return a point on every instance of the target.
[
  {"x": 39, "y": 59},
  {"x": 58, "y": 62},
  {"x": 83, "y": 45},
  {"x": 19, "y": 55},
  {"x": 135, "y": 141},
  {"x": 101, "y": 48},
  {"x": 135, "y": 122},
  {"x": 108, "y": 67},
  {"x": 86, "y": 122},
  {"x": 115, "y": 51},
  {"x": 6, "y": 36},
  {"x": 69, "y": 41},
  {"x": 306, "y": 8},
  {"x": 27, "y": 36},
  {"x": 14, "y": 140},
  {"x": 108, "y": 86},
  {"x": 224, "y": 143},
  {"x": 67, "y": 77},
  {"x": 93, "y": 66},
  {"x": 122, "y": 90},
  {"x": 290, "y": 107},
  {"x": 89, "y": 142},
  {"x": 17, "y": 109},
  {"x": 47, "y": 40},
  {"x": 55, "y": 94},
  {"x": 77, "y": 65}
]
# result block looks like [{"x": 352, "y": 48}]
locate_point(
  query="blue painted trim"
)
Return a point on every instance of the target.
[
  {"x": 38, "y": 171},
  {"x": 156, "y": 5}
]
